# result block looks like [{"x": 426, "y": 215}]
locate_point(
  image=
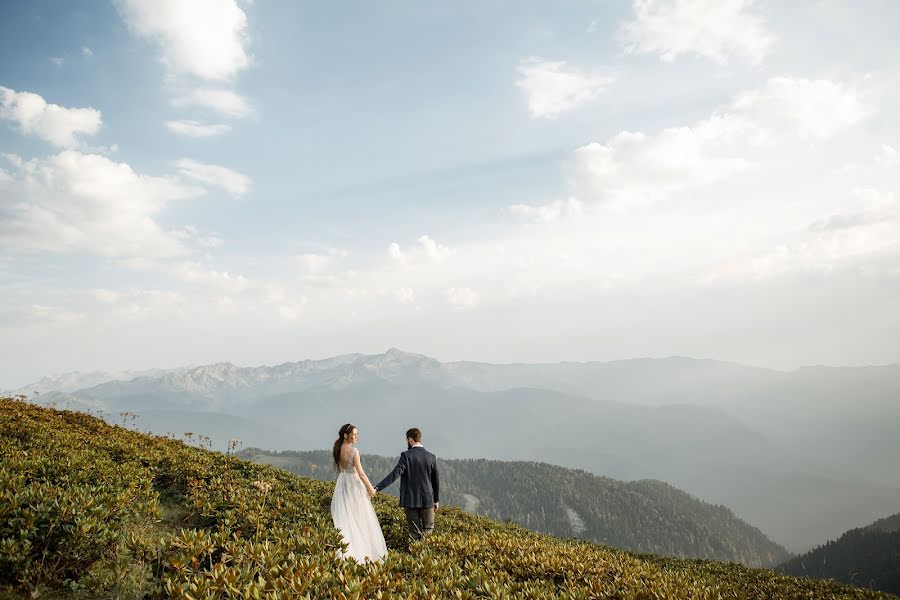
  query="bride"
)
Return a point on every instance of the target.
[{"x": 351, "y": 505}]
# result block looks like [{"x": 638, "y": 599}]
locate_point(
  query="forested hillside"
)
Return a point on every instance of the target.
[{"x": 867, "y": 557}]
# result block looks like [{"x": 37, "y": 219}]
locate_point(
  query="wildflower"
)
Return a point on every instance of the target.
[{"x": 263, "y": 486}]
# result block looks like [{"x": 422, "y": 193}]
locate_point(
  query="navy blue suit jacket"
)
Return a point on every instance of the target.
[{"x": 419, "y": 482}]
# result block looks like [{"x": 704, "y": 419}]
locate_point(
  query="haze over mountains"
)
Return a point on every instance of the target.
[{"x": 803, "y": 455}]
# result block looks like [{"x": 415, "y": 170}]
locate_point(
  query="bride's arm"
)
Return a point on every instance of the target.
[{"x": 362, "y": 474}]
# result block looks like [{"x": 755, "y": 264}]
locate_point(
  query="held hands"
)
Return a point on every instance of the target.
[
  {"x": 372, "y": 492},
  {"x": 436, "y": 506}
]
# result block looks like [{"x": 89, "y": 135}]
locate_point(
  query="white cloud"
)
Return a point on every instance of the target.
[
  {"x": 395, "y": 253},
  {"x": 428, "y": 250},
  {"x": 204, "y": 38},
  {"x": 634, "y": 166},
  {"x": 887, "y": 156},
  {"x": 86, "y": 202},
  {"x": 318, "y": 264},
  {"x": 236, "y": 184},
  {"x": 462, "y": 297},
  {"x": 863, "y": 231},
  {"x": 51, "y": 122},
  {"x": 57, "y": 60},
  {"x": 199, "y": 275},
  {"x": 808, "y": 109},
  {"x": 547, "y": 213},
  {"x": 553, "y": 88},
  {"x": 197, "y": 129},
  {"x": 86, "y": 52},
  {"x": 137, "y": 305},
  {"x": 434, "y": 250},
  {"x": 224, "y": 102},
  {"x": 713, "y": 29},
  {"x": 192, "y": 235}
]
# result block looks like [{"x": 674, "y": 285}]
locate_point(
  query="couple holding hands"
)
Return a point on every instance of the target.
[{"x": 351, "y": 505}]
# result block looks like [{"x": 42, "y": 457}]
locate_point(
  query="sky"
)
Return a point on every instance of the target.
[{"x": 267, "y": 181}]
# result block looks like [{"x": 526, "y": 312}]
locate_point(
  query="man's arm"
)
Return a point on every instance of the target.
[
  {"x": 402, "y": 464},
  {"x": 436, "y": 484}
]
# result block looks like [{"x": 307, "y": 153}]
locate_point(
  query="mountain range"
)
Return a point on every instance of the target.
[{"x": 803, "y": 455}]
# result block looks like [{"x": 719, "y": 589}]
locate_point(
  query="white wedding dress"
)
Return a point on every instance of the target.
[{"x": 354, "y": 517}]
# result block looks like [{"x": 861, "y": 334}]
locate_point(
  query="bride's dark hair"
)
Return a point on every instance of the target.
[{"x": 343, "y": 433}]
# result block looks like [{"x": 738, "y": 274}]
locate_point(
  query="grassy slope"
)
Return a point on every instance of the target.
[{"x": 92, "y": 510}]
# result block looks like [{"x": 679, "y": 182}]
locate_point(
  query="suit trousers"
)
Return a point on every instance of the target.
[{"x": 420, "y": 521}]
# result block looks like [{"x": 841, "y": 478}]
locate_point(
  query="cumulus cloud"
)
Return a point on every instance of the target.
[
  {"x": 318, "y": 264},
  {"x": 191, "y": 128},
  {"x": 803, "y": 108},
  {"x": 86, "y": 52},
  {"x": 553, "y": 88},
  {"x": 51, "y": 122},
  {"x": 428, "y": 250},
  {"x": 236, "y": 184},
  {"x": 85, "y": 202},
  {"x": 712, "y": 29},
  {"x": 223, "y": 101},
  {"x": 204, "y": 38},
  {"x": 638, "y": 166}
]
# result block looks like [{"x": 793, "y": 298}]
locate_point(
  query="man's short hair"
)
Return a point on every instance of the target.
[{"x": 414, "y": 434}]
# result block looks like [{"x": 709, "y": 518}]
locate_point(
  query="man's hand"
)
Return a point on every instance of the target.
[{"x": 437, "y": 506}]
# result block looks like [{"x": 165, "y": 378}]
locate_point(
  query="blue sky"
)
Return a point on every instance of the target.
[{"x": 260, "y": 182}]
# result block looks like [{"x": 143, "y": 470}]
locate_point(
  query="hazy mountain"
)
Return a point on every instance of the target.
[
  {"x": 644, "y": 516},
  {"x": 783, "y": 450},
  {"x": 75, "y": 380},
  {"x": 867, "y": 557}
]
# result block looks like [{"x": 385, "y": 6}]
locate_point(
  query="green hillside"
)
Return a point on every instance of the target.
[
  {"x": 92, "y": 510},
  {"x": 868, "y": 556},
  {"x": 643, "y": 516}
]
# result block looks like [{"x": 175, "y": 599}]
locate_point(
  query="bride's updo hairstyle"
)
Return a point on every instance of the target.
[{"x": 343, "y": 434}]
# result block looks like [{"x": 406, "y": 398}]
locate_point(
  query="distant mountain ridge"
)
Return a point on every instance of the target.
[
  {"x": 755, "y": 440},
  {"x": 642, "y": 516}
]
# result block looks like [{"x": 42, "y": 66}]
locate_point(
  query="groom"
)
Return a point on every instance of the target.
[{"x": 419, "y": 485}]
